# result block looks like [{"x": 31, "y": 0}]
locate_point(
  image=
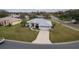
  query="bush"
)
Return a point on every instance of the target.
[
  {"x": 9, "y": 24},
  {"x": 23, "y": 23}
]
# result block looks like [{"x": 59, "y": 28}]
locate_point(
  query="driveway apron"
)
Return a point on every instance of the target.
[{"x": 43, "y": 37}]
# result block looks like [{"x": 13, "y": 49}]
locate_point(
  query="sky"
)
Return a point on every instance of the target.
[{"x": 35, "y": 10}]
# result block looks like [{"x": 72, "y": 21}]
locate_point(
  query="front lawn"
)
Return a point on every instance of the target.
[
  {"x": 63, "y": 34},
  {"x": 18, "y": 32}
]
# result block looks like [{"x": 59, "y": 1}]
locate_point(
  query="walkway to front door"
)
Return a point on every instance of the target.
[{"x": 42, "y": 38}]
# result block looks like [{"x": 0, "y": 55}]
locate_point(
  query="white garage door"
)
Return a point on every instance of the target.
[{"x": 44, "y": 28}]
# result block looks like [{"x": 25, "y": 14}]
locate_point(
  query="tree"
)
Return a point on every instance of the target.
[
  {"x": 22, "y": 15},
  {"x": 32, "y": 15},
  {"x": 23, "y": 23},
  {"x": 70, "y": 14},
  {"x": 9, "y": 24},
  {"x": 3, "y": 13}
]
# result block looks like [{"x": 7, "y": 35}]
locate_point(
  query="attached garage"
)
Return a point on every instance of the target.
[
  {"x": 41, "y": 23},
  {"x": 45, "y": 28}
]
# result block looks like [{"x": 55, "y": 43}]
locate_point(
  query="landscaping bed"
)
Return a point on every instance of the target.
[
  {"x": 63, "y": 34},
  {"x": 18, "y": 32}
]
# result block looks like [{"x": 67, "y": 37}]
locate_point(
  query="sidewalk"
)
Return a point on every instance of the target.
[
  {"x": 42, "y": 38},
  {"x": 59, "y": 21}
]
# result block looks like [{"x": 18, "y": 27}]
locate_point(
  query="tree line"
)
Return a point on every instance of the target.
[
  {"x": 3, "y": 13},
  {"x": 68, "y": 15}
]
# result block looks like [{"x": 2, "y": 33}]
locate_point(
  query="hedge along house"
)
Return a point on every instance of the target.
[
  {"x": 9, "y": 20},
  {"x": 40, "y": 23}
]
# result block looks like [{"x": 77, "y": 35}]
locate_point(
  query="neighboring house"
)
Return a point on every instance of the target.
[
  {"x": 40, "y": 23},
  {"x": 15, "y": 16},
  {"x": 27, "y": 17},
  {"x": 39, "y": 16},
  {"x": 9, "y": 20},
  {"x": 73, "y": 21}
]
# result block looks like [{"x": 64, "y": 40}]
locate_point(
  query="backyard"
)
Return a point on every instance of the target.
[
  {"x": 63, "y": 34},
  {"x": 18, "y": 32}
]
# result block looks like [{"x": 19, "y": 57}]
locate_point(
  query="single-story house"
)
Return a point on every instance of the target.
[
  {"x": 9, "y": 20},
  {"x": 73, "y": 21},
  {"x": 27, "y": 17},
  {"x": 15, "y": 16},
  {"x": 39, "y": 16},
  {"x": 40, "y": 23}
]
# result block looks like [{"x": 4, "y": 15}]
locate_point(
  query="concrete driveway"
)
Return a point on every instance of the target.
[{"x": 43, "y": 37}]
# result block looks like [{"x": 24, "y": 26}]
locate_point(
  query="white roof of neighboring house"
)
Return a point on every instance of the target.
[
  {"x": 73, "y": 20},
  {"x": 14, "y": 15},
  {"x": 41, "y": 22}
]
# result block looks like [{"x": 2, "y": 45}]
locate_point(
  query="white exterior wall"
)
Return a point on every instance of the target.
[
  {"x": 30, "y": 25},
  {"x": 17, "y": 22}
]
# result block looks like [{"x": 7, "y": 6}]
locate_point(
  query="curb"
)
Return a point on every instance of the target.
[
  {"x": 70, "y": 27},
  {"x": 25, "y": 42},
  {"x": 44, "y": 44},
  {"x": 67, "y": 26},
  {"x": 67, "y": 42}
]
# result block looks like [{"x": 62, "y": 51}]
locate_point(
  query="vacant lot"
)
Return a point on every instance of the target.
[
  {"x": 63, "y": 34},
  {"x": 18, "y": 33}
]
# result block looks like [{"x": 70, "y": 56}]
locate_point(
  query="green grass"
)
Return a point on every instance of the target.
[
  {"x": 18, "y": 33},
  {"x": 63, "y": 34}
]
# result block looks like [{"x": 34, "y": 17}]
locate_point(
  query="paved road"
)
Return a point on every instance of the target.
[
  {"x": 43, "y": 37},
  {"x": 16, "y": 45},
  {"x": 71, "y": 26}
]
